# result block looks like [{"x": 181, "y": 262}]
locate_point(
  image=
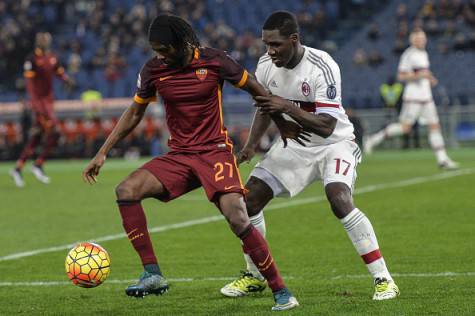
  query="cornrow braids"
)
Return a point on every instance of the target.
[{"x": 173, "y": 30}]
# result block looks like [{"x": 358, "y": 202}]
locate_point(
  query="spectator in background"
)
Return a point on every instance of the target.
[
  {"x": 391, "y": 93},
  {"x": 374, "y": 33},
  {"x": 360, "y": 58},
  {"x": 92, "y": 100},
  {"x": 114, "y": 70},
  {"x": 375, "y": 59},
  {"x": 469, "y": 12}
]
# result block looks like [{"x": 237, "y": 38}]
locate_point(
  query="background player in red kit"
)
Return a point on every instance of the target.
[
  {"x": 189, "y": 79},
  {"x": 39, "y": 70}
]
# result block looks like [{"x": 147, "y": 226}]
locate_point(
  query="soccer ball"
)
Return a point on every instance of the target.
[{"x": 87, "y": 265}]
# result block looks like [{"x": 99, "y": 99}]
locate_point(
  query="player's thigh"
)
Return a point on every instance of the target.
[
  {"x": 294, "y": 167},
  {"x": 429, "y": 114},
  {"x": 410, "y": 113},
  {"x": 341, "y": 160},
  {"x": 218, "y": 173},
  {"x": 138, "y": 185},
  {"x": 174, "y": 173}
]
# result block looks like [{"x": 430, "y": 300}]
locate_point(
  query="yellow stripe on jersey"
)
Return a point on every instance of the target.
[
  {"x": 29, "y": 74},
  {"x": 243, "y": 80},
  {"x": 140, "y": 100}
]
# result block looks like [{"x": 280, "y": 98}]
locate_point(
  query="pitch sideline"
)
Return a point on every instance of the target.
[{"x": 210, "y": 219}]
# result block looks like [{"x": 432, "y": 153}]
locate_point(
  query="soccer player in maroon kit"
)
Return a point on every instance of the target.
[
  {"x": 39, "y": 70},
  {"x": 189, "y": 79}
]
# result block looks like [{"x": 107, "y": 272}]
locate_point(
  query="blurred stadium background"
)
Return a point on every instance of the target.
[{"x": 103, "y": 44}]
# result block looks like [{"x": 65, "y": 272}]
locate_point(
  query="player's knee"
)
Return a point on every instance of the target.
[
  {"x": 434, "y": 127},
  {"x": 259, "y": 195},
  {"x": 253, "y": 204},
  {"x": 238, "y": 220},
  {"x": 340, "y": 199},
  {"x": 406, "y": 128},
  {"x": 127, "y": 191}
]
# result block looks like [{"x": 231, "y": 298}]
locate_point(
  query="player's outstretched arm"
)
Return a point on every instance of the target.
[
  {"x": 127, "y": 122},
  {"x": 321, "y": 124},
  {"x": 259, "y": 125}
]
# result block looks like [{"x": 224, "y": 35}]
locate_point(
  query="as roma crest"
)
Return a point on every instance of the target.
[{"x": 201, "y": 73}]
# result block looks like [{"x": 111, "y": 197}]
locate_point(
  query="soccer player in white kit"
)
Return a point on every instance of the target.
[
  {"x": 418, "y": 104},
  {"x": 305, "y": 85}
]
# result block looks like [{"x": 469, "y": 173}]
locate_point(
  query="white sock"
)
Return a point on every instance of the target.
[
  {"x": 260, "y": 224},
  {"x": 437, "y": 143},
  {"x": 362, "y": 235}
]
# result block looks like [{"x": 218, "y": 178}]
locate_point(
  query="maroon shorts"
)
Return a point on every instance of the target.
[{"x": 181, "y": 172}]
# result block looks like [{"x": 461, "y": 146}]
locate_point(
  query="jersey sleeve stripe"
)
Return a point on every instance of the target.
[
  {"x": 140, "y": 100},
  {"x": 243, "y": 80},
  {"x": 323, "y": 64},
  {"x": 324, "y": 71},
  {"x": 29, "y": 74}
]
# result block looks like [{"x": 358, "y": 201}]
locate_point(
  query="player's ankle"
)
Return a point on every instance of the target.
[{"x": 152, "y": 268}]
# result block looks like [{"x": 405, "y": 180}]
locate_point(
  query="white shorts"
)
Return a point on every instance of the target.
[
  {"x": 290, "y": 170},
  {"x": 420, "y": 111}
]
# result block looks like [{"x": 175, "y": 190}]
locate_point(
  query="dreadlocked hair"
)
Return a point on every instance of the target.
[{"x": 172, "y": 30}]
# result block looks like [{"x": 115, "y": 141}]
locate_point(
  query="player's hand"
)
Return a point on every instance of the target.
[
  {"x": 272, "y": 104},
  {"x": 433, "y": 81},
  {"x": 424, "y": 74},
  {"x": 91, "y": 171},
  {"x": 245, "y": 154},
  {"x": 291, "y": 130}
]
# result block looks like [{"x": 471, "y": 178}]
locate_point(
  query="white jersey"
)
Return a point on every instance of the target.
[
  {"x": 314, "y": 85},
  {"x": 414, "y": 60}
]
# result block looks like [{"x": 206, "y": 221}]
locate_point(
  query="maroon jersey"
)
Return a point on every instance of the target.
[
  {"x": 39, "y": 69},
  {"x": 192, "y": 97}
]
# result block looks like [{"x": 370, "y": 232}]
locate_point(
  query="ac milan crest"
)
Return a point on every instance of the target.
[
  {"x": 201, "y": 73},
  {"x": 305, "y": 88}
]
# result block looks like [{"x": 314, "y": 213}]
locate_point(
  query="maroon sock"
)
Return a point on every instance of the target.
[
  {"x": 28, "y": 150},
  {"x": 135, "y": 225},
  {"x": 50, "y": 144},
  {"x": 256, "y": 247}
]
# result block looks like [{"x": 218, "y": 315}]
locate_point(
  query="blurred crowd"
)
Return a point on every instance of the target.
[
  {"x": 109, "y": 36},
  {"x": 81, "y": 137},
  {"x": 449, "y": 23}
]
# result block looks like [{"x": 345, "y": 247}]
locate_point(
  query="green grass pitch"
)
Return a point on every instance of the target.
[{"x": 424, "y": 219}]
